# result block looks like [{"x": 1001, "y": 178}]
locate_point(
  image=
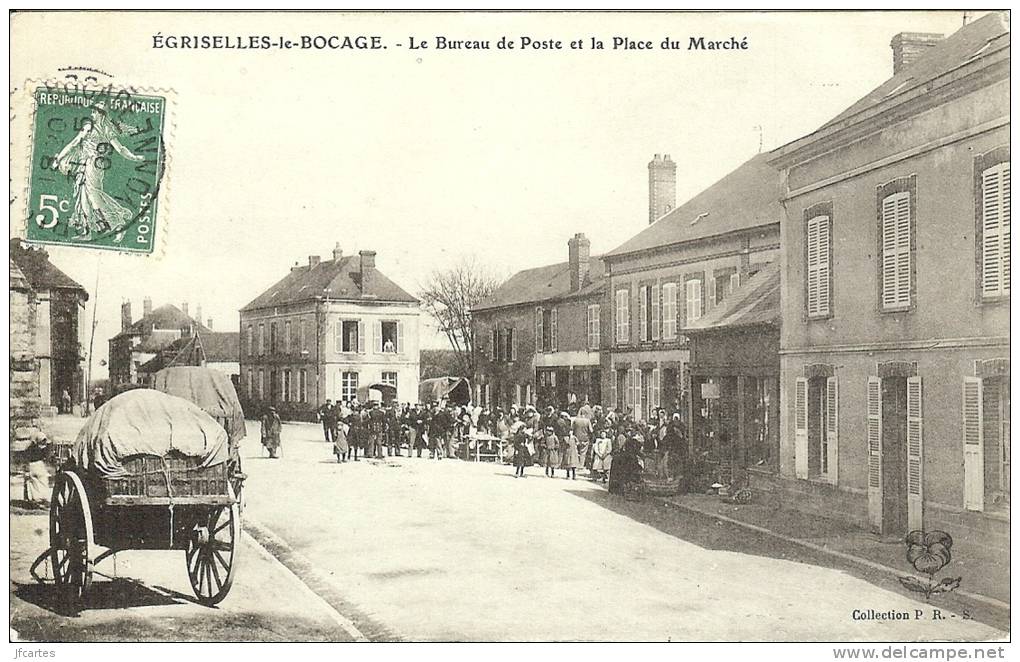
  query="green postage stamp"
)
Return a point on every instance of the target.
[{"x": 98, "y": 159}]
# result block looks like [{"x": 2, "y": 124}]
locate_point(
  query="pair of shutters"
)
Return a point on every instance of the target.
[
  {"x": 896, "y": 258},
  {"x": 540, "y": 330},
  {"x": 649, "y": 325},
  {"x": 622, "y": 316},
  {"x": 498, "y": 348},
  {"x": 399, "y": 344},
  {"x": 693, "y": 299},
  {"x": 831, "y": 431},
  {"x": 915, "y": 452},
  {"x": 818, "y": 261},
  {"x": 995, "y": 224},
  {"x": 339, "y": 336}
]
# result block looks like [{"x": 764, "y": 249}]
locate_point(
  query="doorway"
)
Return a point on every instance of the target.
[{"x": 894, "y": 456}]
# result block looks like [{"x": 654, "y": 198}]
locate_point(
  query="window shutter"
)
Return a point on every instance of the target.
[
  {"x": 400, "y": 338},
  {"x": 539, "y": 330},
  {"x": 973, "y": 444},
  {"x": 656, "y": 312},
  {"x": 694, "y": 300},
  {"x": 628, "y": 398},
  {"x": 832, "y": 428},
  {"x": 338, "y": 336},
  {"x": 361, "y": 337},
  {"x": 818, "y": 259},
  {"x": 656, "y": 388},
  {"x": 625, "y": 316},
  {"x": 995, "y": 226},
  {"x": 643, "y": 313},
  {"x": 915, "y": 455},
  {"x": 377, "y": 346},
  {"x": 637, "y": 394},
  {"x": 800, "y": 414},
  {"x": 874, "y": 441},
  {"x": 513, "y": 345},
  {"x": 494, "y": 345},
  {"x": 552, "y": 330},
  {"x": 612, "y": 389},
  {"x": 896, "y": 251}
]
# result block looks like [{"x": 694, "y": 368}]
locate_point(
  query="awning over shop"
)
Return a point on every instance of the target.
[
  {"x": 754, "y": 302},
  {"x": 456, "y": 389}
]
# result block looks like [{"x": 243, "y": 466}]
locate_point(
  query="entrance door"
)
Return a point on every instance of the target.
[{"x": 894, "y": 455}]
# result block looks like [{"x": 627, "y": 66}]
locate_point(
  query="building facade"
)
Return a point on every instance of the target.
[
  {"x": 336, "y": 329},
  {"x": 141, "y": 341},
  {"x": 679, "y": 268},
  {"x": 60, "y": 338},
  {"x": 896, "y": 289},
  {"x": 217, "y": 350},
  {"x": 538, "y": 336}
]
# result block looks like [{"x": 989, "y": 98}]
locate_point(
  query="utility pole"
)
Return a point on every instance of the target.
[{"x": 92, "y": 335}]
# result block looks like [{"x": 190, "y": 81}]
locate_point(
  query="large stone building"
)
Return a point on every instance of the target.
[
  {"x": 896, "y": 291},
  {"x": 538, "y": 335},
  {"x": 140, "y": 341},
  {"x": 334, "y": 329},
  {"x": 679, "y": 268},
  {"x": 56, "y": 302}
]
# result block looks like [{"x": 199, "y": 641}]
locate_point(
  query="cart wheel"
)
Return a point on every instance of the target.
[
  {"x": 71, "y": 538},
  {"x": 212, "y": 553}
]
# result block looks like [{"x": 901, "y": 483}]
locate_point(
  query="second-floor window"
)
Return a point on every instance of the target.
[
  {"x": 273, "y": 347},
  {"x": 349, "y": 336},
  {"x": 494, "y": 347},
  {"x": 301, "y": 333},
  {"x": 896, "y": 251},
  {"x": 262, "y": 339},
  {"x": 287, "y": 347},
  {"x": 692, "y": 291},
  {"x": 818, "y": 265},
  {"x": 250, "y": 343},
  {"x": 648, "y": 312},
  {"x": 389, "y": 337},
  {"x": 510, "y": 344},
  {"x": 995, "y": 239},
  {"x": 545, "y": 329},
  {"x": 669, "y": 311},
  {"x": 622, "y": 316},
  {"x": 594, "y": 326}
]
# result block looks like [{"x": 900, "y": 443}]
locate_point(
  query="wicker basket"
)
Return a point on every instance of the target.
[{"x": 172, "y": 475}]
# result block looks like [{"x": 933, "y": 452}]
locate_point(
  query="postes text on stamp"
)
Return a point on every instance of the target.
[{"x": 97, "y": 163}]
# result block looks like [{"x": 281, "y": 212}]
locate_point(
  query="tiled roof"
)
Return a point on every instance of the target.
[
  {"x": 18, "y": 280},
  {"x": 544, "y": 283},
  {"x": 168, "y": 316},
  {"x": 983, "y": 36},
  {"x": 212, "y": 346},
  {"x": 756, "y": 301},
  {"x": 342, "y": 277},
  {"x": 35, "y": 265},
  {"x": 747, "y": 197}
]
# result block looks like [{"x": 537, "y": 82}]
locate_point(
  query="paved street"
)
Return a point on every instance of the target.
[{"x": 428, "y": 550}]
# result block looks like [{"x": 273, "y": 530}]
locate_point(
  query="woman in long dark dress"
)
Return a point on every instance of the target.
[
  {"x": 522, "y": 457},
  {"x": 625, "y": 472}
]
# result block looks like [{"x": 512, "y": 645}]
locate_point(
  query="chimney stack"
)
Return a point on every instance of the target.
[
  {"x": 184, "y": 309},
  {"x": 208, "y": 324},
  {"x": 907, "y": 47},
  {"x": 579, "y": 252},
  {"x": 146, "y": 306},
  {"x": 313, "y": 260},
  {"x": 198, "y": 313},
  {"x": 367, "y": 271},
  {"x": 337, "y": 252},
  {"x": 661, "y": 187},
  {"x": 125, "y": 316}
]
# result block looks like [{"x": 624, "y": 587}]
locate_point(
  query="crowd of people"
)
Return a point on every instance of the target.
[{"x": 609, "y": 444}]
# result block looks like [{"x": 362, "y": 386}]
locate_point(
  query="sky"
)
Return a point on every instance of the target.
[{"x": 432, "y": 156}]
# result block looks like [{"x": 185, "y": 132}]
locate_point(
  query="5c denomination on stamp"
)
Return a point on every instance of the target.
[{"x": 98, "y": 159}]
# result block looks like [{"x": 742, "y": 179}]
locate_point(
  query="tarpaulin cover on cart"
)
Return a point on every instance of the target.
[
  {"x": 147, "y": 422},
  {"x": 210, "y": 389}
]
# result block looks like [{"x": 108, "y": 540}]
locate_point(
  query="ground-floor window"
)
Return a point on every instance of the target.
[
  {"x": 986, "y": 428},
  {"x": 303, "y": 385},
  {"x": 285, "y": 390},
  {"x": 390, "y": 378},
  {"x": 621, "y": 390},
  {"x": 262, "y": 384},
  {"x": 348, "y": 386},
  {"x": 250, "y": 384}
]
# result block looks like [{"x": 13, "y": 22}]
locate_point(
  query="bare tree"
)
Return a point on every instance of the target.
[{"x": 449, "y": 295}]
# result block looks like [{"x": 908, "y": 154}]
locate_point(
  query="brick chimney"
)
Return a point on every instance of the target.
[
  {"x": 367, "y": 271},
  {"x": 208, "y": 324},
  {"x": 579, "y": 252},
  {"x": 184, "y": 309},
  {"x": 198, "y": 313},
  {"x": 338, "y": 252},
  {"x": 313, "y": 260},
  {"x": 146, "y": 306},
  {"x": 907, "y": 47},
  {"x": 125, "y": 316},
  {"x": 661, "y": 186}
]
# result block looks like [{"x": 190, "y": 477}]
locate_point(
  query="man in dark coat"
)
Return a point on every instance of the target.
[
  {"x": 327, "y": 415},
  {"x": 376, "y": 431},
  {"x": 271, "y": 431}
]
